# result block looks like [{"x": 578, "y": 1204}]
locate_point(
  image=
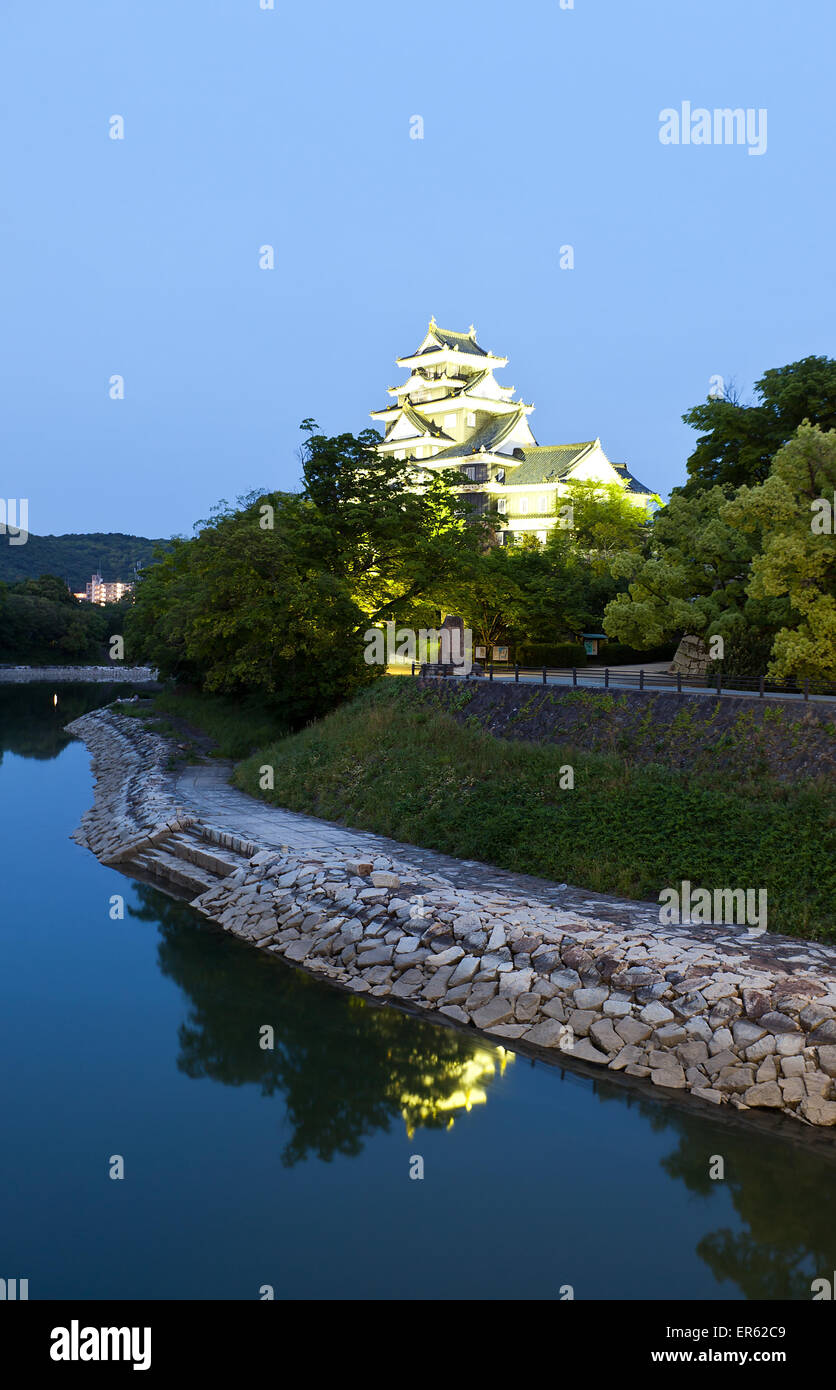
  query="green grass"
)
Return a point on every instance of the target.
[
  {"x": 235, "y": 726},
  {"x": 389, "y": 763}
]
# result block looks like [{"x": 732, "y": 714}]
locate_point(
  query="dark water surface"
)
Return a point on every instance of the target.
[{"x": 246, "y": 1167}]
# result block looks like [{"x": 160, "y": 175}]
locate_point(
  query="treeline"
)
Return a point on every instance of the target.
[
  {"x": 41, "y": 622},
  {"x": 274, "y": 596},
  {"x": 74, "y": 558}
]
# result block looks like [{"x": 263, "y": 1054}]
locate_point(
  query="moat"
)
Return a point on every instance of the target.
[{"x": 289, "y": 1167}]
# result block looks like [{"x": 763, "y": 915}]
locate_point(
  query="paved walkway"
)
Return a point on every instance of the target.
[{"x": 205, "y": 790}]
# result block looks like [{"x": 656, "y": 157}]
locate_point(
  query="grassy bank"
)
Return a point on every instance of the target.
[
  {"x": 234, "y": 726},
  {"x": 389, "y": 762}
]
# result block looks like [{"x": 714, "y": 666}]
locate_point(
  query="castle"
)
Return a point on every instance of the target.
[{"x": 451, "y": 413}]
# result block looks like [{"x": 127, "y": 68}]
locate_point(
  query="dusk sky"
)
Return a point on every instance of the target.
[{"x": 290, "y": 127}]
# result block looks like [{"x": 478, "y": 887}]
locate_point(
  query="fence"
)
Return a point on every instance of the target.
[{"x": 619, "y": 678}]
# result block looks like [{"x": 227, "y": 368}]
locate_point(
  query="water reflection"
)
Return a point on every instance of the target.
[
  {"x": 32, "y": 717},
  {"x": 781, "y": 1188},
  {"x": 392, "y": 1067}
]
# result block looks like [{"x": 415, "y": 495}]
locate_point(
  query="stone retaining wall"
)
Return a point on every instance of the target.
[
  {"x": 16, "y": 675},
  {"x": 733, "y": 1018}
]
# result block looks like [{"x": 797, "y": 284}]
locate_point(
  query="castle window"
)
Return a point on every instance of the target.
[
  {"x": 501, "y": 505},
  {"x": 471, "y": 419},
  {"x": 523, "y": 506},
  {"x": 544, "y": 504},
  {"x": 449, "y": 422}
]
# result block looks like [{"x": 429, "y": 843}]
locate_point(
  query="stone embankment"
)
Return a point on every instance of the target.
[
  {"x": 735, "y": 1019},
  {"x": 18, "y": 675}
]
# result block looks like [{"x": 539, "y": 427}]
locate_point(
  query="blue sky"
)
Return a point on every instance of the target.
[{"x": 290, "y": 127}]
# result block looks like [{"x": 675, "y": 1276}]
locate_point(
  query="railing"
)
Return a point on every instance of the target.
[{"x": 615, "y": 677}]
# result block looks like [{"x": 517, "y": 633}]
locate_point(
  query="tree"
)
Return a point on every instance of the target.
[
  {"x": 738, "y": 442},
  {"x": 795, "y": 563},
  {"x": 274, "y": 596},
  {"x": 694, "y": 581}
]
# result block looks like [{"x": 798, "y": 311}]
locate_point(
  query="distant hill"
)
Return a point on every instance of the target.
[{"x": 76, "y": 557}]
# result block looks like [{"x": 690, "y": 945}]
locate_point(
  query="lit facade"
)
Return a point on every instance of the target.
[{"x": 452, "y": 413}]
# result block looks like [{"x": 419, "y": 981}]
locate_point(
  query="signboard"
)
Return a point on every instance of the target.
[
  {"x": 481, "y": 653},
  {"x": 500, "y": 653}
]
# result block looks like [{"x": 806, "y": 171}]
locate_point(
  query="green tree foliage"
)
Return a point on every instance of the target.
[
  {"x": 76, "y": 557},
  {"x": 738, "y": 442},
  {"x": 694, "y": 580},
  {"x": 795, "y": 564},
  {"x": 41, "y": 622},
  {"x": 275, "y": 596}
]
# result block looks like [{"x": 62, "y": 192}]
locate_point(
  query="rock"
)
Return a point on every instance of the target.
[
  {"x": 827, "y": 1061},
  {"x": 454, "y": 1011},
  {"x": 590, "y": 998},
  {"x": 448, "y": 957},
  {"x": 527, "y": 1007},
  {"x": 745, "y": 1032},
  {"x": 359, "y": 868},
  {"x": 767, "y": 1071},
  {"x": 497, "y": 938},
  {"x": 480, "y": 994},
  {"x": 707, "y": 1093},
  {"x": 547, "y": 1034},
  {"x": 555, "y": 1008},
  {"x": 814, "y": 1014},
  {"x": 378, "y": 955},
  {"x": 817, "y": 1084},
  {"x": 776, "y": 1022},
  {"x": 724, "y": 1011},
  {"x": 626, "y": 1057},
  {"x": 692, "y": 1054},
  {"x": 764, "y": 1047},
  {"x": 465, "y": 970},
  {"x": 755, "y": 1003},
  {"x": 509, "y": 1030},
  {"x": 583, "y": 1048},
  {"x": 297, "y": 951},
  {"x": 545, "y": 960},
  {"x": 495, "y": 1011},
  {"x": 689, "y": 1005},
  {"x": 634, "y": 1069},
  {"x": 632, "y": 1031},
  {"x": 607, "y": 967},
  {"x": 580, "y": 1021},
  {"x": 818, "y": 1111},
  {"x": 672, "y": 1077},
  {"x": 792, "y": 1089},
  {"x": 735, "y": 1078},
  {"x": 514, "y": 982},
  {"x": 566, "y": 979},
  {"x": 825, "y": 1033},
  {"x": 670, "y": 1034},
  {"x": 605, "y": 1036},
  {"x": 617, "y": 1008},
  {"x": 720, "y": 1040},
  {"x": 408, "y": 983},
  {"x": 438, "y": 985},
  {"x": 790, "y": 1044},
  {"x": 656, "y": 1013},
  {"x": 381, "y": 879},
  {"x": 766, "y": 1093}
]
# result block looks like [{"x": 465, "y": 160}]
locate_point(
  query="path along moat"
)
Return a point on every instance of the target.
[{"x": 290, "y": 1167}]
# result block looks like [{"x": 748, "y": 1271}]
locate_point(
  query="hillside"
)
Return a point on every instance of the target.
[{"x": 75, "y": 557}]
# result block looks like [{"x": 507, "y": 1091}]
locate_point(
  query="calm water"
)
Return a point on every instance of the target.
[{"x": 246, "y": 1167}]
